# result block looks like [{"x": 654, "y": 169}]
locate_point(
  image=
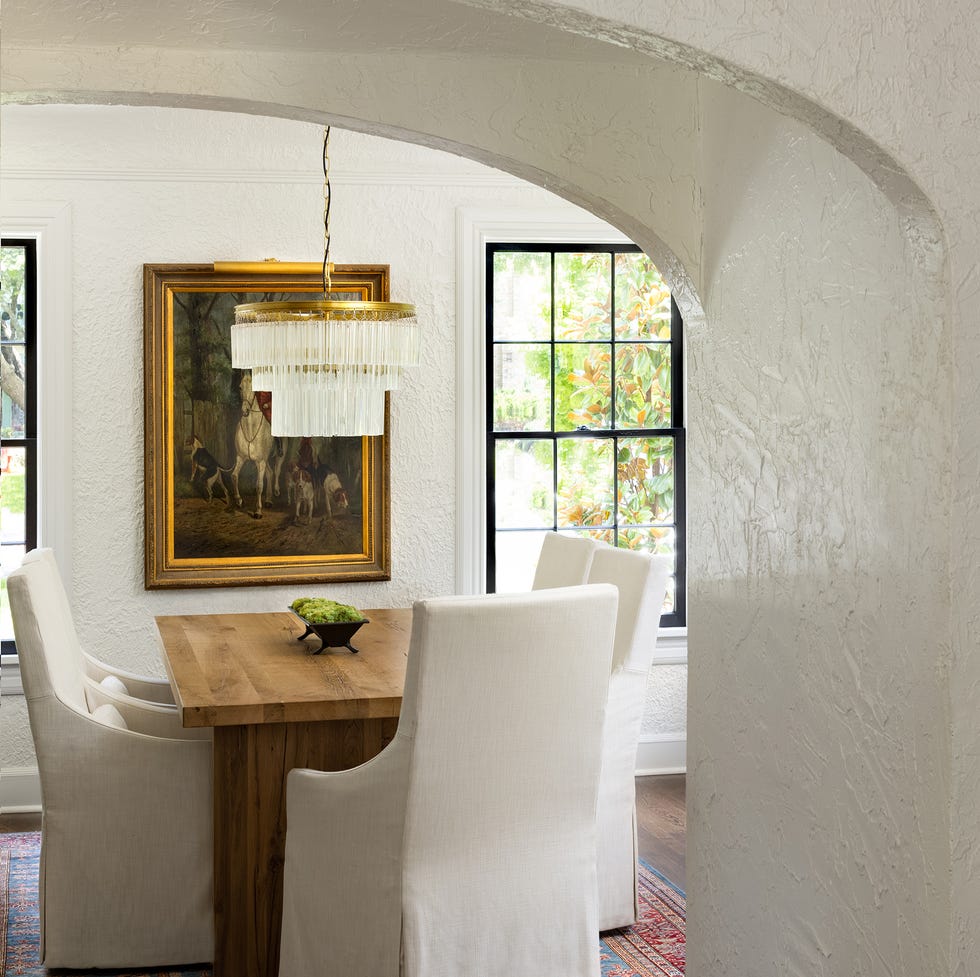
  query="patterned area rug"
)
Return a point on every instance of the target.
[{"x": 654, "y": 947}]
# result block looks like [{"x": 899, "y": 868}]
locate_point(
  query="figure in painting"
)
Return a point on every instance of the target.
[{"x": 253, "y": 442}]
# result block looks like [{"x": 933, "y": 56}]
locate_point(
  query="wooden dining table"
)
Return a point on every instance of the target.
[{"x": 274, "y": 706}]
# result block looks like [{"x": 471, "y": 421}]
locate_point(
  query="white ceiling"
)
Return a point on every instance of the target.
[{"x": 330, "y": 26}]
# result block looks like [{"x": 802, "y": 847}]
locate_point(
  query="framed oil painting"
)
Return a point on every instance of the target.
[{"x": 227, "y": 504}]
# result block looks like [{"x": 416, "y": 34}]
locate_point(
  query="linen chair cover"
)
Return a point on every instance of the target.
[
  {"x": 138, "y": 686},
  {"x": 467, "y": 846},
  {"x": 564, "y": 561},
  {"x": 642, "y": 583},
  {"x": 126, "y": 840}
]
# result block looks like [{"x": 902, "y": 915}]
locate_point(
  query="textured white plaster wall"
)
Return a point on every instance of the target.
[
  {"x": 819, "y": 439},
  {"x": 665, "y": 712},
  {"x": 126, "y": 213},
  {"x": 157, "y": 185},
  {"x": 18, "y": 747},
  {"x": 619, "y": 141}
]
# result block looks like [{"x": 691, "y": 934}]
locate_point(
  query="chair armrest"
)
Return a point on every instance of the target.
[
  {"x": 139, "y": 686},
  {"x": 94, "y": 771},
  {"x": 345, "y": 825},
  {"x": 149, "y": 718},
  {"x": 124, "y": 811}
]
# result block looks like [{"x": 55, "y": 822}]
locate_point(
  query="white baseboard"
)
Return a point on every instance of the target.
[
  {"x": 661, "y": 753},
  {"x": 20, "y": 790}
]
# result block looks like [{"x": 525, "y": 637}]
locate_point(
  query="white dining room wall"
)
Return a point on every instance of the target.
[{"x": 181, "y": 185}]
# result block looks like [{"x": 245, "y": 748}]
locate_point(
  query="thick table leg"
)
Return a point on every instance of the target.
[{"x": 250, "y": 767}]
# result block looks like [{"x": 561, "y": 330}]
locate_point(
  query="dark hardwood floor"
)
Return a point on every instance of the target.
[
  {"x": 661, "y": 824},
  {"x": 20, "y": 822}
]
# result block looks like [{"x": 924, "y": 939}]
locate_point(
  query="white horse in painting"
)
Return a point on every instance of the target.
[{"x": 253, "y": 443}]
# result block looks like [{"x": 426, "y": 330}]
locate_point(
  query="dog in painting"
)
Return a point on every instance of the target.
[{"x": 204, "y": 464}]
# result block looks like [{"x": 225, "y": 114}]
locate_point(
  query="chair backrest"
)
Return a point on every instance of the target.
[
  {"x": 642, "y": 583},
  {"x": 564, "y": 561},
  {"x": 44, "y": 555},
  {"x": 504, "y": 701},
  {"x": 47, "y": 644}
]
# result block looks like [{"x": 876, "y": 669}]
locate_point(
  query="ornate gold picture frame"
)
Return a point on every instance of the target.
[{"x": 226, "y": 503}]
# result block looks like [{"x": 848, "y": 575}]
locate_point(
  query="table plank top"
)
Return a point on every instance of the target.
[{"x": 238, "y": 669}]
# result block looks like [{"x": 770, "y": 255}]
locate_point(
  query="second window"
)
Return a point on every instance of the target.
[{"x": 585, "y": 417}]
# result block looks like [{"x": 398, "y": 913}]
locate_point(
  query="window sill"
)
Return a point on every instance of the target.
[{"x": 10, "y": 683}]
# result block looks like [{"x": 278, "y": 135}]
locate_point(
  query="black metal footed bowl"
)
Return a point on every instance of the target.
[{"x": 336, "y": 634}]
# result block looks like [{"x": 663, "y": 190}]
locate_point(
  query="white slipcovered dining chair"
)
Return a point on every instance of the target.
[
  {"x": 642, "y": 583},
  {"x": 467, "y": 846},
  {"x": 126, "y": 839},
  {"x": 564, "y": 561}
]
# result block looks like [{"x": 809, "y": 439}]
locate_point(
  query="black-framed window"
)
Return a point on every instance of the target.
[
  {"x": 585, "y": 432},
  {"x": 18, "y": 413}
]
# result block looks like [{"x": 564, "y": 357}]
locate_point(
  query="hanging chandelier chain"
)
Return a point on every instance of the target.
[
  {"x": 326, "y": 213},
  {"x": 328, "y": 363}
]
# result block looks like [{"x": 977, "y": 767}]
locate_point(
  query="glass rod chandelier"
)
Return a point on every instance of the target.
[{"x": 326, "y": 362}]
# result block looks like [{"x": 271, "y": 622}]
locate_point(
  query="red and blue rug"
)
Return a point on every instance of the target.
[{"x": 654, "y": 947}]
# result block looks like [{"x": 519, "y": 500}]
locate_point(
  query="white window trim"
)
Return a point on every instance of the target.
[
  {"x": 475, "y": 229},
  {"x": 50, "y": 225}
]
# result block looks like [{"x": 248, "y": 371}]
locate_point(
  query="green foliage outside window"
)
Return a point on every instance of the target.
[
  {"x": 584, "y": 422},
  {"x": 583, "y": 384}
]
